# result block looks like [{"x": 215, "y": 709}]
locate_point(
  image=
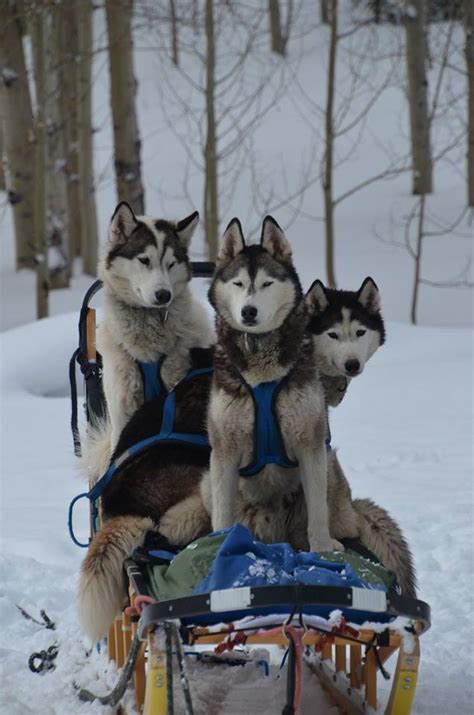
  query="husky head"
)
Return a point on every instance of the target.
[
  {"x": 147, "y": 262},
  {"x": 347, "y": 327},
  {"x": 255, "y": 287}
]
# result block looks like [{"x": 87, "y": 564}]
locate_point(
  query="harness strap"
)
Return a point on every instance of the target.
[
  {"x": 166, "y": 434},
  {"x": 268, "y": 443}
]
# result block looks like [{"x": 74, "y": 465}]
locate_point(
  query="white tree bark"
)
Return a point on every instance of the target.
[
  {"x": 123, "y": 88},
  {"x": 16, "y": 118},
  {"x": 89, "y": 236},
  {"x": 37, "y": 24},
  {"x": 57, "y": 223},
  {"x": 418, "y": 97}
]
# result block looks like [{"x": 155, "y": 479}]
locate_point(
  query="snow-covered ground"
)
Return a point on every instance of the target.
[
  {"x": 405, "y": 439},
  {"x": 404, "y": 430}
]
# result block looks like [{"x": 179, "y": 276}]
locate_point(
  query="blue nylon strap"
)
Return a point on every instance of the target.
[
  {"x": 268, "y": 448},
  {"x": 151, "y": 383},
  {"x": 166, "y": 434}
]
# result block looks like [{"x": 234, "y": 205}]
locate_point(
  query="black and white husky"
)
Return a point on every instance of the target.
[
  {"x": 347, "y": 328},
  {"x": 264, "y": 369},
  {"x": 149, "y": 312}
]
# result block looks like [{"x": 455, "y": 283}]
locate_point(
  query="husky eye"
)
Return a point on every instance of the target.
[
  {"x": 334, "y": 336},
  {"x": 239, "y": 284},
  {"x": 173, "y": 263},
  {"x": 360, "y": 333},
  {"x": 267, "y": 284},
  {"x": 144, "y": 260}
]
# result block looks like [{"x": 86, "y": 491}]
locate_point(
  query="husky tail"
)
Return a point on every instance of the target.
[
  {"x": 382, "y": 535},
  {"x": 101, "y": 585},
  {"x": 98, "y": 451}
]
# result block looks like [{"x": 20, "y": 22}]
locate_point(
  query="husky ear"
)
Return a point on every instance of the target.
[
  {"x": 369, "y": 296},
  {"x": 186, "y": 228},
  {"x": 233, "y": 242},
  {"x": 273, "y": 239},
  {"x": 316, "y": 299},
  {"x": 123, "y": 223}
]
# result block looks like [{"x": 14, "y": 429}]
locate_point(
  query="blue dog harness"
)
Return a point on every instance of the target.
[
  {"x": 153, "y": 387},
  {"x": 268, "y": 442}
]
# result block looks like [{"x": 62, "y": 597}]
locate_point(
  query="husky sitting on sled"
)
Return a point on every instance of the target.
[
  {"x": 148, "y": 312},
  {"x": 347, "y": 328},
  {"x": 267, "y": 412},
  {"x": 154, "y": 340}
]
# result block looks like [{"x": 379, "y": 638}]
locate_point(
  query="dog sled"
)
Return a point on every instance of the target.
[{"x": 339, "y": 619}]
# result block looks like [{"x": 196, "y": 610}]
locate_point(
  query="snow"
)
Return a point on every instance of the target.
[
  {"x": 404, "y": 432},
  {"x": 404, "y": 429}
]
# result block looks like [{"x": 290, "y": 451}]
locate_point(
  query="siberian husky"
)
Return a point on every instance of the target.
[
  {"x": 261, "y": 342},
  {"x": 334, "y": 319},
  {"x": 150, "y": 322},
  {"x": 347, "y": 329},
  {"x": 148, "y": 312}
]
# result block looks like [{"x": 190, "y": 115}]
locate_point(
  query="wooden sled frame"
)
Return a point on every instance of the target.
[{"x": 346, "y": 670}]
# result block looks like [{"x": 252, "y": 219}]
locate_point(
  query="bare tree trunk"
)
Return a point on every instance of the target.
[
  {"x": 42, "y": 274},
  {"x": 328, "y": 156},
  {"x": 278, "y": 44},
  {"x": 418, "y": 260},
  {"x": 2, "y": 173},
  {"x": 56, "y": 196},
  {"x": 123, "y": 85},
  {"x": 89, "y": 238},
  {"x": 469, "y": 50},
  {"x": 211, "y": 206},
  {"x": 68, "y": 96},
  {"x": 324, "y": 5},
  {"x": 16, "y": 118},
  {"x": 174, "y": 33},
  {"x": 418, "y": 99}
]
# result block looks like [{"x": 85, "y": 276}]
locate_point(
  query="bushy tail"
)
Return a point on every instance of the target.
[
  {"x": 97, "y": 451},
  {"x": 382, "y": 535},
  {"x": 101, "y": 584}
]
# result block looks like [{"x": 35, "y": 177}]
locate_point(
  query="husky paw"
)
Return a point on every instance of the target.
[{"x": 327, "y": 545}]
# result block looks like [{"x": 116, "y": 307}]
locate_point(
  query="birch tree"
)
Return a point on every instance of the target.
[
  {"x": 275, "y": 27},
  {"x": 123, "y": 89},
  {"x": 57, "y": 221},
  {"x": 2, "y": 173},
  {"x": 414, "y": 21},
  {"x": 89, "y": 236},
  {"x": 211, "y": 199},
  {"x": 469, "y": 52},
  {"x": 16, "y": 118},
  {"x": 36, "y": 23},
  {"x": 69, "y": 104},
  {"x": 329, "y": 150}
]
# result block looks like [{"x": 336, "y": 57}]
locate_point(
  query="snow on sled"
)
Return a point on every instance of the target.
[{"x": 337, "y": 616}]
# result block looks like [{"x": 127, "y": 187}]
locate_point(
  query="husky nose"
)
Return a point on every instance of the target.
[
  {"x": 163, "y": 296},
  {"x": 249, "y": 313},
  {"x": 352, "y": 367}
]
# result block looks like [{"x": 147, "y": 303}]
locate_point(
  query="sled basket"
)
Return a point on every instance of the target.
[{"x": 347, "y": 655}]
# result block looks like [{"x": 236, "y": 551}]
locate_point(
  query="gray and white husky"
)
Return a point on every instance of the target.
[
  {"x": 335, "y": 318},
  {"x": 261, "y": 339},
  {"x": 149, "y": 312}
]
